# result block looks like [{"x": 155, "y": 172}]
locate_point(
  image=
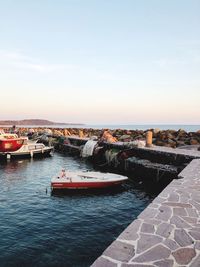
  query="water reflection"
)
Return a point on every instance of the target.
[
  {"x": 43, "y": 229},
  {"x": 89, "y": 192}
]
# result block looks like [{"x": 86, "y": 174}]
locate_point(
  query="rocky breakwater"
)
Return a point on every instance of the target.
[
  {"x": 167, "y": 138},
  {"x": 174, "y": 139}
]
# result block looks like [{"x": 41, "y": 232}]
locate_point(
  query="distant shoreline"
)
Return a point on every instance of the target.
[{"x": 35, "y": 122}]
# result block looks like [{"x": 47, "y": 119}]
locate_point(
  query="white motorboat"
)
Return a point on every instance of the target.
[{"x": 86, "y": 180}]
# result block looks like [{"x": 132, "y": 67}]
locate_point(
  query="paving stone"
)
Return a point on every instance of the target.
[
  {"x": 197, "y": 182},
  {"x": 153, "y": 206},
  {"x": 164, "y": 194},
  {"x": 197, "y": 229},
  {"x": 190, "y": 220},
  {"x": 159, "y": 200},
  {"x": 147, "y": 228},
  {"x": 171, "y": 244},
  {"x": 154, "y": 222},
  {"x": 136, "y": 265},
  {"x": 179, "y": 211},
  {"x": 179, "y": 222},
  {"x": 130, "y": 233},
  {"x": 147, "y": 241},
  {"x": 195, "y": 235},
  {"x": 197, "y": 226},
  {"x": 164, "y": 229},
  {"x": 148, "y": 213},
  {"x": 196, "y": 262},
  {"x": 164, "y": 263},
  {"x": 120, "y": 251},
  {"x": 184, "y": 255},
  {"x": 168, "y": 190},
  {"x": 195, "y": 204},
  {"x": 164, "y": 214},
  {"x": 182, "y": 238},
  {"x": 158, "y": 252},
  {"x": 192, "y": 213},
  {"x": 176, "y": 182},
  {"x": 195, "y": 195},
  {"x": 197, "y": 246},
  {"x": 184, "y": 199},
  {"x": 177, "y": 204},
  {"x": 173, "y": 197},
  {"x": 183, "y": 193},
  {"x": 102, "y": 262}
]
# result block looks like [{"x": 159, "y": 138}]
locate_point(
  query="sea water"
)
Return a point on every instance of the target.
[
  {"x": 38, "y": 228},
  {"x": 186, "y": 127}
]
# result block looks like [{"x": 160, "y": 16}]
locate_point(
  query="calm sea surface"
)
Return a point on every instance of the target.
[
  {"x": 41, "y": 229},
  {"x": 186, "y": 127}
]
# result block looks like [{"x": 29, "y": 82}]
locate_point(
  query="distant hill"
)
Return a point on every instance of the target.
[{"x": 35, "y": 122}]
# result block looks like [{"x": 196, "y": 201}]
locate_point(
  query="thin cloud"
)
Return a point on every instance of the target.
[
  {"x": 19, "y": 61},
  {"x": 164, "y": 62}
]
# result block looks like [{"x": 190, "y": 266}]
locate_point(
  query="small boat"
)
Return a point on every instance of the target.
[
  {"x": 10, "y": 142},
  {"x": 13, "y": 146},
  {"x": 87, "y": 180}
]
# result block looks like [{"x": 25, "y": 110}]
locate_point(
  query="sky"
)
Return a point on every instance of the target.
[{"x": 100, "y": 61}]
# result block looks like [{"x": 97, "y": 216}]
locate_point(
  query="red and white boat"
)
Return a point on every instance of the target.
[
  {"x": 87, "y": 180},
  {"x": 10, "y": 142},
  {"x": 13, "y": 146}
]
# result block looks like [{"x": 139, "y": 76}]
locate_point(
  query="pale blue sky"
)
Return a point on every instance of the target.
[{"x": 105, "y": 61}]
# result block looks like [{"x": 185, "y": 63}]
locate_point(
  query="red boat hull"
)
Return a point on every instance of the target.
[
  {"x": 11, "y": 145},
  {"x": 83, "y": 185}
]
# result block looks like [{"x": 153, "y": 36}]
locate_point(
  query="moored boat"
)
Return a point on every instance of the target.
[
  {"x": 13, "y": 146},
  {"x": 86, "y": 180},
  {"x": 10, "y": 142}
]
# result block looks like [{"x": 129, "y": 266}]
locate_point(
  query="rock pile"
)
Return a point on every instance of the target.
[{"x": 168, "y": 138}]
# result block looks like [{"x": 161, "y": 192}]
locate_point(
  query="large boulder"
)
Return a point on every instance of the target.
[
  {"x": 57, "y": 132},
  {"x": 180, "y": 143},
  {"x": 66, "y": 132},
  {"x": 156, "y": 130},
  {"x": 171, "y": 143},
  {"x": 125, "y": 138},
  {"x": 181, "y": 133},
  {"x": 193, "y": 141},
  {"x": 48, "y": 132},
  {"x": 160, "y": 143}
]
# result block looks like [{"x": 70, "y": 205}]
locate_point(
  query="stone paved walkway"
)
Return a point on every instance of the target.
[
  {"x": 166, "y": 233},
  {"x": 177, "y": 151}
]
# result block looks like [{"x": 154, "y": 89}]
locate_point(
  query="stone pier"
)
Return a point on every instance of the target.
[{"x": 167, "y": 232}]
